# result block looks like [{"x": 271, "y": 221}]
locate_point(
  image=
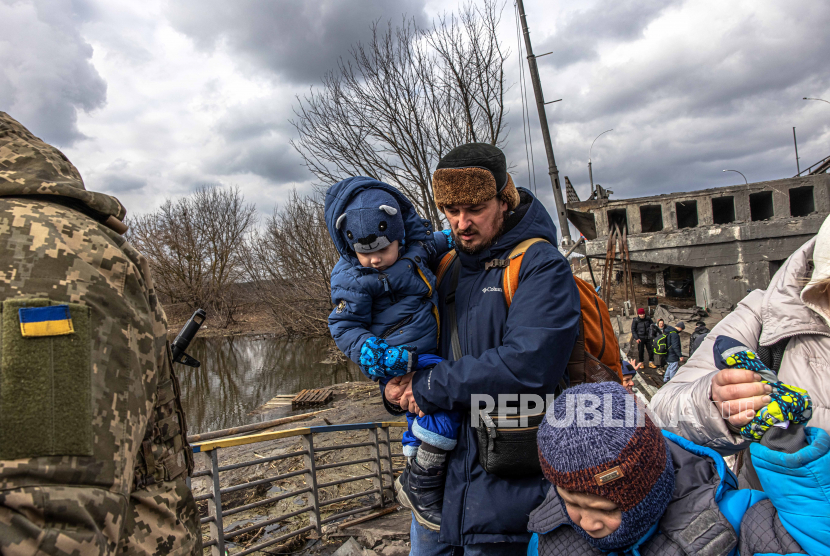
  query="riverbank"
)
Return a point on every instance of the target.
[{"x": 252, "y": 318}]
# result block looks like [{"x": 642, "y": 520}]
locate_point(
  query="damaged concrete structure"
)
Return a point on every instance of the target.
[{"x": 727, "y": 240}]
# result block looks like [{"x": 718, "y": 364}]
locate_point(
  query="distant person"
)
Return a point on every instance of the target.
[
  {"x": 384, "y": 317},
  {"x": 659, "y": 350},
  {"x": 629, "y": 371},
  {"x": 668, "y": 345},
  {"x": 621, "y": 486},
  {"x": 640, "y": 326},
  {"x": 698, "y": 336}
]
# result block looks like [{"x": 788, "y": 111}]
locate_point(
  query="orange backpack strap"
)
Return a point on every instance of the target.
[
  {"x": 444, "y": 265},
  {"x": 597, "y": 334},
  {"x": 510, "y": 280}
]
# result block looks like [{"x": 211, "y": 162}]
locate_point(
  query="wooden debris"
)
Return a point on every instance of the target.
[
  {"x": 250, "y": 428},
  {"x": 369, "y": 517},
  {"x": 312, "y": 398}
]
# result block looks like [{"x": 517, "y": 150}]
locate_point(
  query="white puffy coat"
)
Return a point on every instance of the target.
[{"x": 684, "y": 406}]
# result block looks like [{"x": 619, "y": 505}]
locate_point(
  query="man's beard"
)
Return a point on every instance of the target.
[{"x": 487, "y": 244}]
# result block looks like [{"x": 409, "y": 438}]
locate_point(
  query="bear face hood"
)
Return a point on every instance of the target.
[{"x": 340, "y": 194}]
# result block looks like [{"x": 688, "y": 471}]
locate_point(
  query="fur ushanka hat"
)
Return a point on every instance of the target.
[{"x": 471, "y": 174}]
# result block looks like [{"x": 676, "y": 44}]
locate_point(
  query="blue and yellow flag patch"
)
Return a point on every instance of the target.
[{"x": 54, "y": 320}]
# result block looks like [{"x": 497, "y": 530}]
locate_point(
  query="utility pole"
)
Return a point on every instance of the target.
[
  {"x": 797, "y": 164},
  {"x": 543, "y": 120}
]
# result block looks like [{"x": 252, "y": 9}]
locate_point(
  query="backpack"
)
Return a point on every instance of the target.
[
  {"x": 596, "y": 355},
  {"x": 661, "y": 344}
]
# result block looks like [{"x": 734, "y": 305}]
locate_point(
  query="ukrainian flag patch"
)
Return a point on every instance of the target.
[{"x": 54, "y": 320}]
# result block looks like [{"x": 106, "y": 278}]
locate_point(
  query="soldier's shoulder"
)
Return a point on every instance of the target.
[{"x": 51, "y": 212}]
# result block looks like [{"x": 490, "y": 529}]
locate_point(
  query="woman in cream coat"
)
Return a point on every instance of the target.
[{"x": 707, "y": 406}]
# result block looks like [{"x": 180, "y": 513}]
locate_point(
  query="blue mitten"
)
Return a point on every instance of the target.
[
  {"x": 789, "y": 403},
  {"x": 379, "y": 360},
  {"x": 450, "y": 239}
]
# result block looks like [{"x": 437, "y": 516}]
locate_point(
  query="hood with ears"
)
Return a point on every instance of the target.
[{"x": 340, "y": 194}]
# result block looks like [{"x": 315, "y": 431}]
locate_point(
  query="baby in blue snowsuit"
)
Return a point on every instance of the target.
[{"x": 385, "y": 314}]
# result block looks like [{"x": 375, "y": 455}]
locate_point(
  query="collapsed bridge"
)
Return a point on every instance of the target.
[{"x": 724, "y": 241}]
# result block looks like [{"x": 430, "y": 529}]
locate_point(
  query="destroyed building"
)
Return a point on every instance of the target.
[{"x": 720, "y": 242}]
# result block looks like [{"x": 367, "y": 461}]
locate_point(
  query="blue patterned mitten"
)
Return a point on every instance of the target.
[
  {"x": 379, "y": 360},
  {"x": 789, "y": 403},
  {"x": 450, "y": 239}
]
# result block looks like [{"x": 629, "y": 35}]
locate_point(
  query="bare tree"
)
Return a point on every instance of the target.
[
  {"x": 405, "y": 99},
  {"x": 289, "y": 264},
  {"x": 195, "y": 247}
]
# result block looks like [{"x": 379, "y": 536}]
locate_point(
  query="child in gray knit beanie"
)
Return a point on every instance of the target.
[
  {"x": 614, "y": 477},
  {"x": 620, "y": 487}
]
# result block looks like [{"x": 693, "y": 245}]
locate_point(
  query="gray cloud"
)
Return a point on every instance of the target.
[
  {"x": 256, "y": 136},
  {"x": 45, "y": 71},
  {"x": 718, "y": 94},
  {"x": 119, "y": 178},
  {"x": 297, "y": 41},
  {"x": 581, "y": 31},
  {"x": 201, "y": 92},
  {"x": 118, "y": 183}
]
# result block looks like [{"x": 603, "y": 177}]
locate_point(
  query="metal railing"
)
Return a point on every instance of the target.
[{"x": 380, "y": 461}]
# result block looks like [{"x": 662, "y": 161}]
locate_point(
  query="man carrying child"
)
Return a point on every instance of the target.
[{"x": 523, "y": 350}]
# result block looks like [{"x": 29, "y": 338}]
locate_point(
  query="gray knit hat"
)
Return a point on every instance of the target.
[{"x": 618, "y": 454}]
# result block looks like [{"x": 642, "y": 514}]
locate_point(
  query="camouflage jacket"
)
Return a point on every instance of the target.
[{"x": 93, "y": 457}]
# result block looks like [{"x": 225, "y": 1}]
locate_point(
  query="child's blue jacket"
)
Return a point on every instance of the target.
[
  {"x": 397, "y": 304},
  {"x": 798, "y": 486}
]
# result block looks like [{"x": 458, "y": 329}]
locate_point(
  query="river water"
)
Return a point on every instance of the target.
[{"x": 239, "y": 374}]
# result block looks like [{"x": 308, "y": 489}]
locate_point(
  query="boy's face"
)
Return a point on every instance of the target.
[
  {"x": 380, "y": 259},
  {"x": 598, "y": 516}
]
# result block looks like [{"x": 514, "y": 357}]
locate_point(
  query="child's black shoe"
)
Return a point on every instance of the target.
[{"x": 422, "y": 491}]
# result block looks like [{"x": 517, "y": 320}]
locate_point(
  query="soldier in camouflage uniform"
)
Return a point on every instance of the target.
[{"x": 93, "y": 457}]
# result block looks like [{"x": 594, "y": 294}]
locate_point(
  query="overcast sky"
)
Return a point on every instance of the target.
[{"x": 151, "y": 99}]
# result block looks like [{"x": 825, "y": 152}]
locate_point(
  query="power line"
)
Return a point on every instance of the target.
[{"x": 528, "y": 135}]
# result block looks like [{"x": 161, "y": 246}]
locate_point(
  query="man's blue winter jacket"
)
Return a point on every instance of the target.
[
  {"x": 396, "y": 304},
  {"x": 521, "y": 351}
]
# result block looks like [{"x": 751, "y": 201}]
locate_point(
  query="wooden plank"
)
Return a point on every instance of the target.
[
  {"x": 242, "y": 440},
  {"x": 254, "y": 427}
]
